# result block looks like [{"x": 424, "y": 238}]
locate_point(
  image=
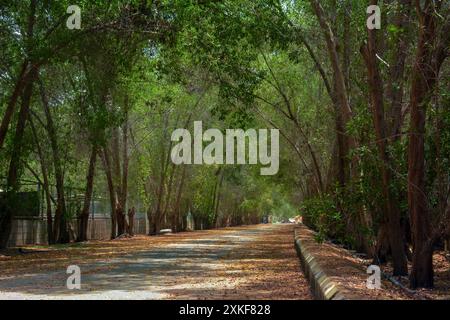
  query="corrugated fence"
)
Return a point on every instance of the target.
[{"x": 34, "y": 230}]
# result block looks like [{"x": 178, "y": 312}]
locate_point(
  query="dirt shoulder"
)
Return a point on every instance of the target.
[{"x": 349, "y": 272}]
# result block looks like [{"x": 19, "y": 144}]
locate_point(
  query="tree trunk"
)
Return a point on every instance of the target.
[
  {"x": 131, "y": 214},
  {"x": 340, "y": 95},
  {"x": 115, "y": 168},
  {"x": 341, "y": 90},
  {"x": 347, "y": 168},
  {"x": 429, "y": 58},
  {"x": 383, "y": 247},
  {"x": 394, "y": 118},
  {"x": 9, "y": 112},
  {"x": 27, "y": 74},
  {"x": 46, "y": 186},
  {"x": 150, "y": 218},
  {"x": 60, "y": 228},
  {"x": 220, "y": 176},
  {"x": 124, "y": 190},
  {"x": 12, "y": 182},
  {"x": 168, "y": 195},
  {"x": 84, "y": 215},
  {"x": 396, "y": 72},
  {"x": 165, "y": 158},
  {"x": 422, "y": 271},
  {"x": 112, "y": 196},
  {"x": 177, "y": 207},
  {"x": 118, "y": 179},
  {"x": 347, "y": 43},
  {"x": 121, "y": 220},
  {"x": 390, "y": 207},
  {"x": 25, "y": 82}
]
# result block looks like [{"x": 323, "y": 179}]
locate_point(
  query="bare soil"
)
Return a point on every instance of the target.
[
  {"x": 249, "y": 262},
  {"x": 349, "y": 272}
]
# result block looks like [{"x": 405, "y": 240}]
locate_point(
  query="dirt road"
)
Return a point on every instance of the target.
[{"x": 249, "y": 262}]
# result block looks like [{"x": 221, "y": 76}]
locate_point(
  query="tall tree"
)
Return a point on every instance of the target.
[
  {"x": 390, "y": 207},
  {"x": 432, "y": 50}
]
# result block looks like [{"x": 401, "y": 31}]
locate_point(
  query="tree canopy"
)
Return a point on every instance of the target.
[{"x": 363, "y": 116}]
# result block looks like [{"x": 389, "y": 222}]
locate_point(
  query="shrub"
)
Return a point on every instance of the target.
[{"x": 320, "y": 214}]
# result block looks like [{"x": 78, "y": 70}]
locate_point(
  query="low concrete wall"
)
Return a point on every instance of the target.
[{"x": 322, "y": 286}]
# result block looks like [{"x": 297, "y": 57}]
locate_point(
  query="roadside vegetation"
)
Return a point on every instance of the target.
[{"x": 363, "y": 116}]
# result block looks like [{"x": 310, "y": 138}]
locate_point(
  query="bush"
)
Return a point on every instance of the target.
[{"x": 320, "y": 214}]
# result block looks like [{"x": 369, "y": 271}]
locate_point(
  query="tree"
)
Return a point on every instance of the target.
[{"x": 432, "y": 50}]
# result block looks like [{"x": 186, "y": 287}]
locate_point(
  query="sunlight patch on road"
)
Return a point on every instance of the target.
[{"x": 105, "y": 295}]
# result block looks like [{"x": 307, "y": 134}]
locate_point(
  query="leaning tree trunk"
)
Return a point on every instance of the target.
[
  {"x": 13, "y": 173},
  {"x": 84, "y": 216},
  {"x": 27, "y": 74},
  {"x": 25, "y": 84},
  {"x": 46, "y": 185},
  {"x": 9, "y": 112}
]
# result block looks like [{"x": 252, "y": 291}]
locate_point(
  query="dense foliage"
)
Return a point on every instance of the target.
[{"x": 364, "y": 117}]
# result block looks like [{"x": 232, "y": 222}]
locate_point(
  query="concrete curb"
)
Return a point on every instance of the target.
[{"x": 322, "y": 286}]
